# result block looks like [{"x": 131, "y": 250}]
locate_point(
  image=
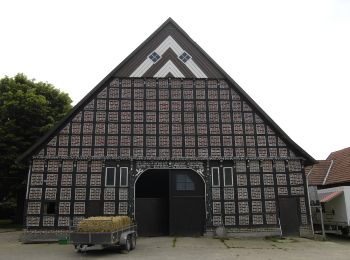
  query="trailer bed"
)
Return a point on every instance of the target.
[{"x": 124, "y": 237}]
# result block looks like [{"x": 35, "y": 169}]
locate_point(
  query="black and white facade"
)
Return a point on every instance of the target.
[{"x": 168, "y": 132}]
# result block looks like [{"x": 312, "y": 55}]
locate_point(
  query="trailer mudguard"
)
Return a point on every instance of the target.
[{"x": 124, "y": 237}]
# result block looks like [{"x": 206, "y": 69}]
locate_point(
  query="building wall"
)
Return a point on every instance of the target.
[
  {"x": 251, "y": 202},
  {"x": 153, "y": 123},
  {"x": 253, "y": 199},
  {"x": 74, "y": 186}
]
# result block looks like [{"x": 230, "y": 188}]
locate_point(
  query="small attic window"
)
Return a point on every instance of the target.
[
  {"x": 184, "y": 57},
  {"x": 184, "y": 183},
  {"x": 154, "y": 57}
]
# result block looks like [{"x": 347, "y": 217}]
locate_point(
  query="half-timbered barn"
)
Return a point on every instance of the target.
[{"x": 171, "y": 140}]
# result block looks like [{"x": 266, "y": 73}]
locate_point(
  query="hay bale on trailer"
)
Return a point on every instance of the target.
[{"x": 103, "y": 224}]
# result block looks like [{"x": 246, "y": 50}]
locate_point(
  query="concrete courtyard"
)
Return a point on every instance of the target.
[{"x": 185, "y": 248}]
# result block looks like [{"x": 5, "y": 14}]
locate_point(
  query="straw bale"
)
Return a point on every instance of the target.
[{"x": 103, "y": 224}]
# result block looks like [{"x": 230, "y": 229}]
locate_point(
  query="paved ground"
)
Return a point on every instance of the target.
[{"x": 185, "y": 248}]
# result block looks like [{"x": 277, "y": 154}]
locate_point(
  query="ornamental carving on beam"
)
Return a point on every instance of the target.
[{"x": 197, "y": 166}]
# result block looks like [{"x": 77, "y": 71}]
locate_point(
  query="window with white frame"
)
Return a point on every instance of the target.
[
  {"x": 123, "y": 176},
  {"x": 215, "y": 176},
  {"x": 228, "y": 176},
  {"x": 110, "y": 176}
]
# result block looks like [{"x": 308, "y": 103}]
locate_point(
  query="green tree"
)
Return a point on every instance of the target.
[{"x": 27, "y": 110}]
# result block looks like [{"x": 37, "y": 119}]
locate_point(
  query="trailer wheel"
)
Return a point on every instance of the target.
[
  {"x": 77, "y": 248},
  {"x": 127, "y": 246},
  {"x": 133, "y": 242},
  {"x": 345, "y": 231},
  {"x": 80, "y": 248}
]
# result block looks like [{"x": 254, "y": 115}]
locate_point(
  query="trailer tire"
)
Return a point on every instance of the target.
[
  {"x": 345, "y": 231},
  {"x": 81, "y": 248},
  {"x": 77, "y": 248},
  {"x": 133, "y": 242},
  {"x": 127, "y": 246}
]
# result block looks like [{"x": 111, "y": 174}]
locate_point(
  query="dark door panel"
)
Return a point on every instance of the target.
[
  {"x": 187, "y": 210},
  {"x": 152, "y": 203},
  {"x": 152, "y": 216},
  {"x": 187, "y": 216},
  {"x": 288, "y": 210}
]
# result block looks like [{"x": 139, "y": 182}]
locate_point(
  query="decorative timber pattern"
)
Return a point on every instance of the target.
[
  {"x": 169, "y": 67},
  {"x": 167, "y": 118}
]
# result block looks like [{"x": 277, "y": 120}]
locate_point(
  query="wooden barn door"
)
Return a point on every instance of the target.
[
  {"x": 152, "y": 203},
  {"x": 186, "y": 203},
  {"x": 152, "y": 216},
  {"x": 170, "y": 202},
  {"x": 288, "y": 209}
]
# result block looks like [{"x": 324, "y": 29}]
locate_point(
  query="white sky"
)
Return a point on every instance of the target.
[{"x": 291, "y": 57}]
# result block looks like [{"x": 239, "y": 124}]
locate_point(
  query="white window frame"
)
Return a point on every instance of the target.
[
  {"x": 120, "y": 176},
  {"x": 106, "y": 176},
  {"x": 228, "y": 185},
  {"x": 212, "y": 176}
]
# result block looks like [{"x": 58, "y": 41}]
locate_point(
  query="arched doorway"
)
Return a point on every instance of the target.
[{"x": 170, "y": 202}]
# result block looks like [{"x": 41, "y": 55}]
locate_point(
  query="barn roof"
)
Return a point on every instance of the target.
[
  {"x": 187, "y": 61},
  {"x": 317, "y": 173},
  {"x": 334, "y": 170}
]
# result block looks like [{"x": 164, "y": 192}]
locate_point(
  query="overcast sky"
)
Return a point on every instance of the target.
[{"x": 291, "y": 57}]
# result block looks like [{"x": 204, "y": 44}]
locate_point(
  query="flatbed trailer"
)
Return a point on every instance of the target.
[{"x": 124, "y": 238}]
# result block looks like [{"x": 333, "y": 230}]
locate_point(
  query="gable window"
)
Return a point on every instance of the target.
[
  {"x": 110, "y": 176},
  {"x": 123, "y": 176},
  {"x": 184, "y": 182},
  {"x": 184, "y": 57},
  {"x": 215, "y": 177},
  {"x": 228, "y": 178},
  {"x": 154, "y": 57}
]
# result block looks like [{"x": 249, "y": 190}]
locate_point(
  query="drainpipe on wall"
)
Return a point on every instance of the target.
[
  {"x": 308, "y": 199},
  {"x": 329, "y": 170}
]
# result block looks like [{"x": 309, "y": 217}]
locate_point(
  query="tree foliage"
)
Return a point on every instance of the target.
[{"x": 27, "y": 110}]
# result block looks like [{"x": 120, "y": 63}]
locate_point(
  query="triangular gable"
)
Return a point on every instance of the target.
[
  {"x": 174, "y": 48},
  {"x": 169, "y": 42}
]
